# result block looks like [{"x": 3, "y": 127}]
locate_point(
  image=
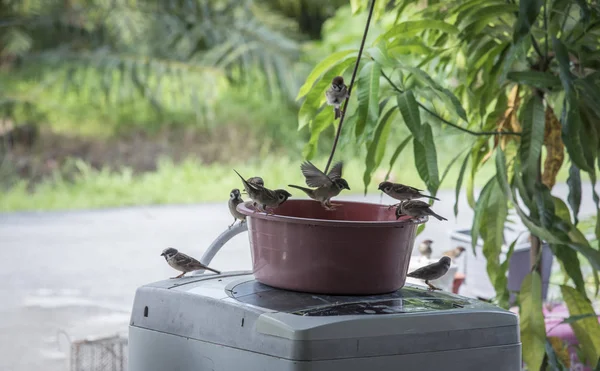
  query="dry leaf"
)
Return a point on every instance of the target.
[{"x": 555, "y": 149}]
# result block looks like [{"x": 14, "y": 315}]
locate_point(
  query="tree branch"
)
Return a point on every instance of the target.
[
  {"x": 362, "y": 45},
  {"x": 471, "y": 132}
]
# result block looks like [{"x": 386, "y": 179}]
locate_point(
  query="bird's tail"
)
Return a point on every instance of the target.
[
  {"x": 210, "y": 269},
  {"x": 337, "y": 113},
  {"x": 434, "y": 198},
  {"x": 438, "y": 217},
  {"x": 308, "y": 191}
]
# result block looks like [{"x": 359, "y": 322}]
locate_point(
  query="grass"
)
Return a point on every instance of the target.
[{"x": 193, "y": 182}]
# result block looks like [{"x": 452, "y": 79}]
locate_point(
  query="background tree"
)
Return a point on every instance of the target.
[{"x": 521, "y": 78}]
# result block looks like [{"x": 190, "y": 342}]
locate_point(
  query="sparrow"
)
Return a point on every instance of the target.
[
  {"x": 183, "y": 263},
  {"x": 256, "y": 180},
  {"x": 328, "y": 185},
  {"x": 454, "y": 253},
  {"x": 432, "y": 271},
  {"x": 264, "y": 197},
  {"x": 336, "y": 94},
  {"x": 416, "y": 209},
  {"x": 425, "y": 248},
  {"x": 235, "y": 198},
  {"x": 401, "y": 192}
]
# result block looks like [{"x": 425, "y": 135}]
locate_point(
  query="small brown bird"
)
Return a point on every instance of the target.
[
  {"x": 336, "y": 94},
  {"x": 263, "y": 197},
  {"x": 256, "y": 180},
  {"x": 183, "y": 263},
  {"x": 416, "y": 209},
  {"x": 402, "y": 192},
  {"x": 425, "y": 248},
  {"x": 328, "y": 185},
  {"x": 432, "y": 271},
  {"x": 235, "y": 198},
  {"x": 454, "y": 253}
]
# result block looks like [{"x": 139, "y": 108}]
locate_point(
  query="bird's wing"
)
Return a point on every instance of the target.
[
  {"x": 424, "y": 272},
  {"x": 417, "y": 204},
  {"x": 184, "y": 260},
  {"x": 336, "y": 171},
  {"x": 401, "y": 188},
  {"x": 268, "y": 194},
  {"x": 314, "y": 177}
]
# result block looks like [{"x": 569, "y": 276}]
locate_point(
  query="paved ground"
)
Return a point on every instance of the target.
[{"x": 77, "y": 271}]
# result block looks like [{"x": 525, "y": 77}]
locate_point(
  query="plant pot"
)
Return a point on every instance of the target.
[{"x": 358, "y": 249}]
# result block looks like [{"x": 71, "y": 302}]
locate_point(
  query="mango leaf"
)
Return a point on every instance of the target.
[
  {"x": 544, "y": 205},
  {"x": 424, "y": 78},
  {"x": 316, "y": 96},
  {"x": 533, "y": 329},
  {"x": 368, "y": 97},
  {"x": 426, "y": 160},
  {"x": 410, "y": 112},
  {"x": 411, "y": 28},
  {"x": 571, "y": 134},
  {"x": 480, "y": 206},
  {"x": 450, "y": 164},
  {"x": 324, "y": 66},
  {"x": 397, "y": 153},
  {"x": 574, "y": 198},
  {"x": 492, "y": 232},
  {"x": 536, "y": 79},
  {"x": 528, "y": 13},
  {"x": 376, "y": 148},
  {"x": 554, "y": 236},
  {"x": 579, "y": 317},
  {"x": 322, "y": 121},
  {"x": 564, "y": 69},
  {"x": 459, "y": 181},
  {"x": 587, "y": 330},
  {"x": 380, "y": 55},
  {"x": 532, "y": 119},
  {"x": 554, "y": 361},
  {"x": 569, "y": 261},
  {"x": 501, "y": 282},
  {"x": 480, "y": 148}
]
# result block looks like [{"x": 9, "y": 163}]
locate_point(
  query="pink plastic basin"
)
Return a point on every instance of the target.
[{"x": 358, "y": 249}]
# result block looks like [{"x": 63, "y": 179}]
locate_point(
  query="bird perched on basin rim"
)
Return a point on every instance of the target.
[
  {"x": 432, "y": 271},
  {"x": 264, "y": 197},
  {"x": 328, "y": 185},
  {"x": 235, "y": 198},
  {"x": 183, "y": 263},
  {"x": 416, "y": 209},
  {"x": 402, "y": 192}
]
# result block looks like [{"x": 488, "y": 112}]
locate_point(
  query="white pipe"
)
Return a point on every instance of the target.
[{"x": 218, "y": 243}]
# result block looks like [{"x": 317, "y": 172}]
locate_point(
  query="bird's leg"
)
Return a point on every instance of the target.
[
  {"x": 181, "y": 275},
  {"x": 327, "y": 205},
  {"x": 394, "y": 205},
  {"x": 431, "y": 287},
  {"x": 269, "y": 211},
  {"x": 231, "y": 225}
]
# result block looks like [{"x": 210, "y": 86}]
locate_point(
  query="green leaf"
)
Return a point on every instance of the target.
[
  {"x": 579, "y": 317},
  {"x": 501, "y": 282},
  {"x": 397, "y": 153},
  {"x": 533, "y": 329},
  {"x": 491, "y": 230},
  {"x": 536, "y": 79},
  {"x": 410, "y": 112},
  {"x": 376, "y": 147},
  {"x": 569, "y": 261},
  {"x": 316, "y": 97},
  {"x": 554, "y": 362},
  {"x": 380, "y": 55},
  {"x": 587, "y": 330},
  {"x": 553, "y": 237},
  {"x": 533, "y": 121},
  {"x": 564, "y": 70},
  {"x": 528, "y": 13},
  {"x": 426, "y": 160},
  {"x": 424, "y": 78},
  {"x": 571, "y": 134},
  {"x": 574, "y": 183},
  {"x": 480, "y": 206},
  {"x": 447, "y": 170},
  {"x": 324, "y": 66},
  {"x": 411, "y": 28},
  {"x": 459, "y": 181},
  {"x": 322, "y": 121},
  {"x": 368, "y": 97}
]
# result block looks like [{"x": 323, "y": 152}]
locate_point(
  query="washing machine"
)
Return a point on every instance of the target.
[{"x": 231, "y": 322}]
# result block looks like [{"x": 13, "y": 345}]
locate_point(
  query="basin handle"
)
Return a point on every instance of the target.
[{"x": 218, "y": 243}]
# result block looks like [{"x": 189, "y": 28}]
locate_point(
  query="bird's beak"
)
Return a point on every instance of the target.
[
  {"x": 380, "y": 188},
  {"x": 347, "y": 187},
  {"x": 163, "y": 254}
]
